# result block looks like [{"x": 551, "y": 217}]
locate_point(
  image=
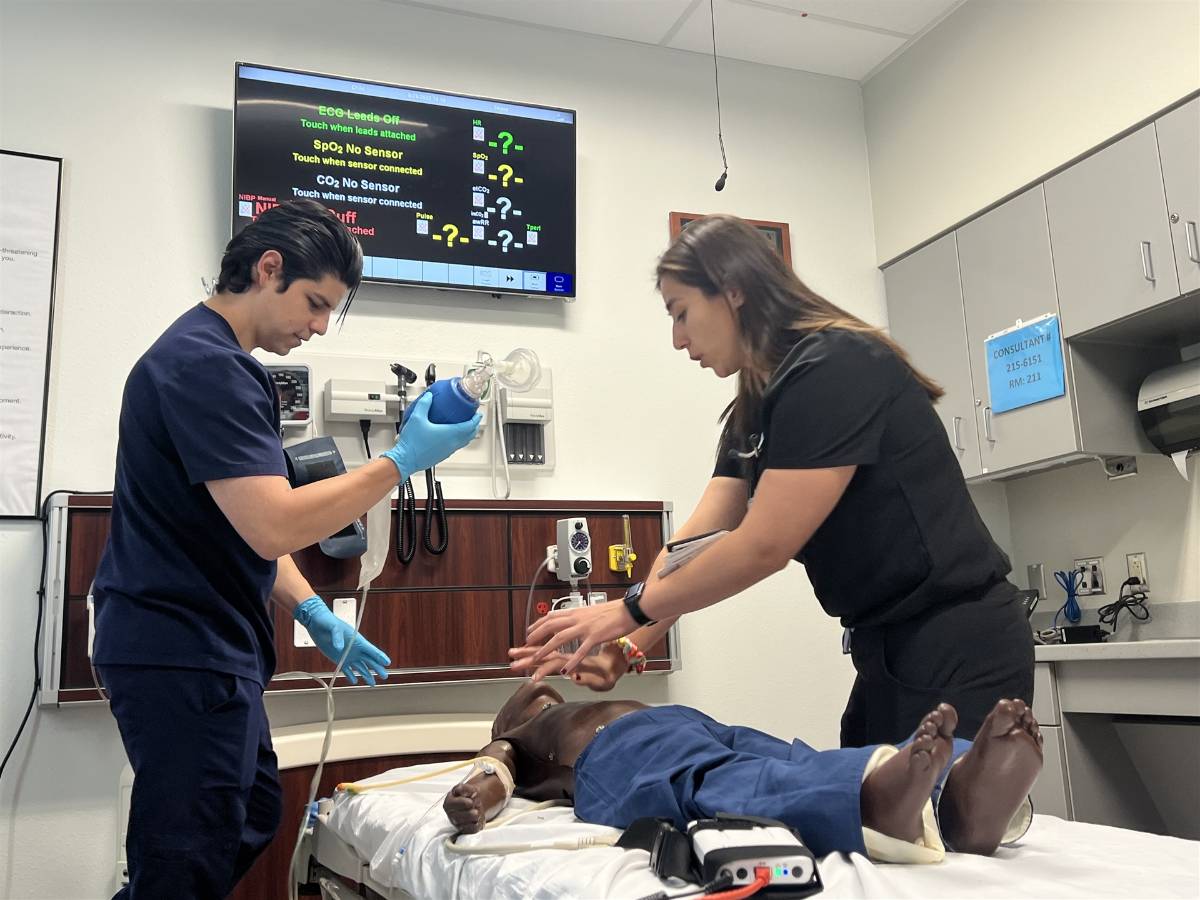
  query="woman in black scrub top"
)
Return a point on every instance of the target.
[{"x": 831, "y": 453}]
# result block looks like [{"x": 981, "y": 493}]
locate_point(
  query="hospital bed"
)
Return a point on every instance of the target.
[{"x": 391, "y": 844}]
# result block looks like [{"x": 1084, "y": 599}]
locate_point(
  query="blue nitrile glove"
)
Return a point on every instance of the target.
[
  {"x": 330, "y": 634},
  {"x": 423, "y": 444}
]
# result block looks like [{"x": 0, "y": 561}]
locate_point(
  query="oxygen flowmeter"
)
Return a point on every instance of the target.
[{"x": 621, "y": 556}]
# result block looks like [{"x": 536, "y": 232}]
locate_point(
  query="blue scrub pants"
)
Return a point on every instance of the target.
[
  {"x": 676, "y": 762},
  {"x": 206, "y": 798}
]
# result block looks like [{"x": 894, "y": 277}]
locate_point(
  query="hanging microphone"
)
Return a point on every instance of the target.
[{"x": 712, "y": 19}]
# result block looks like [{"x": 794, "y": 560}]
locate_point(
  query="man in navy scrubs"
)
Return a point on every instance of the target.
[{"x": 203, "y": 523}]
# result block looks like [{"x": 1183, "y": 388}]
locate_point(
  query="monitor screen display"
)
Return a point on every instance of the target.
[{"x": 442, "y": 190}]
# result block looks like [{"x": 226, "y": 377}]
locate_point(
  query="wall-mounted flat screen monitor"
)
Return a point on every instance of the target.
[{"x": 442, "y": 190}]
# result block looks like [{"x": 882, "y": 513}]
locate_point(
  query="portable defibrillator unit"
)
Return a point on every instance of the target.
[
  {"x": 743, "y": 847},
  {"x": 732, "y": 849}
]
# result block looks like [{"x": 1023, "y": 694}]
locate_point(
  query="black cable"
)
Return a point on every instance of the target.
[
  {"x": 37, "y": 662},
  {"x": 405, "y": 542},
  {"x": 365, "y": 426},
  {"x": 406, "y": 523},
  {"x": 435, "y": 502},
  {"x": 41, "y": 598},
  {"x": 435, "y": 513},
  {"x": 717, "y": 884},
  {"x": 712, "y": 19},
  {"x": 1135, "y": 603}
]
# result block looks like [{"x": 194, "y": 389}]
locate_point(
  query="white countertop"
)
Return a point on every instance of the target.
[{"x": 1184, "y": 648}]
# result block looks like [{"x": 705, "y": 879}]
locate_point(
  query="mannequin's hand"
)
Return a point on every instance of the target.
[{"x": 464, "y": 808}]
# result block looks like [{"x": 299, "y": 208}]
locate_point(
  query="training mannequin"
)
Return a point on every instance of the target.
[{"x": 622, "y": 760}]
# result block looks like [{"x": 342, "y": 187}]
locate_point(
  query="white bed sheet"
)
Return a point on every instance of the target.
[
  {"x": 401, "y": 831},
  {"x": 1055, "y": 859}
]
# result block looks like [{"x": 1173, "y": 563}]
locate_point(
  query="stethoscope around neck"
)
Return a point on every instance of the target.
[{"x": 757, "y": 441}]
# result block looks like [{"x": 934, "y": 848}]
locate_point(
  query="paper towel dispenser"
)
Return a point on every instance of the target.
[{"x": 1169, "y": 407}]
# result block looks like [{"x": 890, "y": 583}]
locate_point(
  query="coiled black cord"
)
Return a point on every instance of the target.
[
  {"x": 406, "y": 523},
  {"x": 435, "y": 515},
  {"x": 1134, "y": 602}
]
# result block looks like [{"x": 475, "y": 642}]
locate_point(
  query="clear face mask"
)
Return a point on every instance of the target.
[{"x": 519, "y": 371}]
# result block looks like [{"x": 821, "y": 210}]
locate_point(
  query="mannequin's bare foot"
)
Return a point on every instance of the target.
[
  {"x": 992, "y": 779},
  {"x": 893, "y": 795}
]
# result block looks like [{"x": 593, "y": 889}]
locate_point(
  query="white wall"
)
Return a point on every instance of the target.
[
  {"x": 1002, "y": 91},
  {"x": 136, "y": 97},
  {"x": 1076, "y": 513},
  {"x": 996, "y": 95}
]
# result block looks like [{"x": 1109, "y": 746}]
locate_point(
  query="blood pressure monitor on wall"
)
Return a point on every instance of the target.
[{"x": 293, "y": 389}]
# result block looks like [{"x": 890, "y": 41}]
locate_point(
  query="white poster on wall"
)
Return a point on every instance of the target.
[{"x": 28, "y": 232}]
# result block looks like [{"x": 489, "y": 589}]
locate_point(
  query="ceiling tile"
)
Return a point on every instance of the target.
[
  {"x": 905, "y": 16},
  {"x": 633, "y": 20},
  {"x": 776, "y": 37}
]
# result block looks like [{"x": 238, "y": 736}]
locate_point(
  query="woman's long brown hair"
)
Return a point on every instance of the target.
[{"x": 723, "y": 254}]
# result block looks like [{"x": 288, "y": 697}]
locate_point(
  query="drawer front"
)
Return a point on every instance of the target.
[{"x": 1045, "y": 695}]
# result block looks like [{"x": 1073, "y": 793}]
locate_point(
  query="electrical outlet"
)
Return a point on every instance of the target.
[
  {"x": 346, "y": 609},
  {"x": 300, "y": 636},
  {"x": 552, "y": 555},
  {"x": 1135, "y": 563},
  {"x": 1092, "y": 570}
]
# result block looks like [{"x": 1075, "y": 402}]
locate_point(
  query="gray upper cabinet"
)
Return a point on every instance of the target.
[
  {"x": 1179, "y": 148},
  {"x": 925, "y": 314},
  {"x": 1008, "y": 275},
  {"x": 1110, "y": 235}
]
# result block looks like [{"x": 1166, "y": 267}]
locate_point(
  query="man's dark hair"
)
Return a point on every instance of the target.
[{"x": 311, "y": 239}]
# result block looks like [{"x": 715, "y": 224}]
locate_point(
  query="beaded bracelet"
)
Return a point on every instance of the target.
[{"x": 634, "y": 657}]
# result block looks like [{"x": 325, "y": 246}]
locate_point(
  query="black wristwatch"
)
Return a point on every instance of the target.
[{"x": 632, "y": 596}]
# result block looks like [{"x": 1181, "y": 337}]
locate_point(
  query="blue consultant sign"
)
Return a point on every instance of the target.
[{"x": 1025, "y": 364}]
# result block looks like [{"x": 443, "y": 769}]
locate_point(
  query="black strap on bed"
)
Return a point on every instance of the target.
[{"x": 670, "y": 850}]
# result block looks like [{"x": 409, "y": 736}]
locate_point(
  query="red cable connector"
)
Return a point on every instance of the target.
[{"x": 762, "y": 877}]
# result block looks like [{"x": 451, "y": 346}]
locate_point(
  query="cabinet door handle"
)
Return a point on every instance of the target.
[
  {"x": 987, "y": 424},
  {"x": 1147, "y": 263},
  {"x": 1193, "y": 243},
  {"x": 957, "y": 440}
]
